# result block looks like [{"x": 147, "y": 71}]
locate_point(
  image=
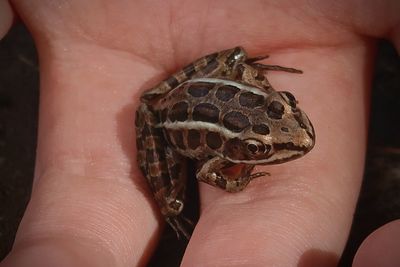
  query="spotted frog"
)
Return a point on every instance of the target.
[{"x": 222, "y": 112}]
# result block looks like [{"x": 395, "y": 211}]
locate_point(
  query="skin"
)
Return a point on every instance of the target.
[
  {"x": 91, "y": 207},
  {"x": 6, "y": 17}
]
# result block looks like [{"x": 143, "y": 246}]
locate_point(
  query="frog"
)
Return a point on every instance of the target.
[{"x": 221, "y": 112}]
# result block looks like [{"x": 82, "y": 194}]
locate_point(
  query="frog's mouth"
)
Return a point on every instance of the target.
[{"x": 237, "y": 170}]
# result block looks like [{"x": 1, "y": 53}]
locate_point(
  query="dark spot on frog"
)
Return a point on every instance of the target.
[
  {"x": 172, "y": 82},
  {"x": 193, "y": 139},
  {"x": 261, "y": 129},
  {"x": 206, "y": 112},
  {"x": 226, "y": 92},
  {"x": 179, "y": 112},
  {"x": 200, "y": 89},
  {"x": 236, "y": 121},
  {"x": 213, "y": 140},
  {"x": 275, "y": 110},
  {"x": 210, "y": 67},
  {"x": 250, "y": 100}
]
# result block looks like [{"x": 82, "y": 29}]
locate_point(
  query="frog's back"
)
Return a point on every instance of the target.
[{"x": 199, "y": 116}]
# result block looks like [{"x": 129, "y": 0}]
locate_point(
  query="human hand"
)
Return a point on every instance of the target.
[{"x": 90, "y": 205}]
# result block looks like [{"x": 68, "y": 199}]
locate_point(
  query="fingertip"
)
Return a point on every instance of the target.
[
  {"x": 381, "y": 248},
  {"x": 57, "y": 252}
]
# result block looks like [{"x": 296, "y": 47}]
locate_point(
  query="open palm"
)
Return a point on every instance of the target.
[{"x": 91, "y": 206}]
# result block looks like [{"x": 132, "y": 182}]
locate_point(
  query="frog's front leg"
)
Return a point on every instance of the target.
[{"x": 212, "y": 172}]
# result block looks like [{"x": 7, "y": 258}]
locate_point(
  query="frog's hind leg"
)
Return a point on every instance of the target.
[
  {"x": 177, "y": 170},
  {"x": 165, "y": 177},
  {"x": 178, "y": 227},
  {"x": 216, "y": 65},
  {"x": 202, "y": 67}
]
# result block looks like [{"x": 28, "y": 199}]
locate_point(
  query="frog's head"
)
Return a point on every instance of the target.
[{"x": 280, "y": 133}]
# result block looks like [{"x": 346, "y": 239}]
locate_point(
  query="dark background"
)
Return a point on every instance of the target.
[{"x": 19, "y": 83}]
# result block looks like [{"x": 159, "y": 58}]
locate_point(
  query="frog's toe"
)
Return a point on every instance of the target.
[{"x": 255, "y": 59}]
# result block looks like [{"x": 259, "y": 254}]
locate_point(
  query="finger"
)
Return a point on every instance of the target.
[
  {"x": 89, "y": 207},
  {"x": 301, "y": 215},
  {"x": 85, "y": 199},
  {"x": 380, "y": 248}
]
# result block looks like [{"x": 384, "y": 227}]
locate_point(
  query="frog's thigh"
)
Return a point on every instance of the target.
[
  {"x": 210, "y": 174},
  {"x": 147, "y": 141},
  {"x": 176, "y": 165},
  {"x": 207, "y": 66}
]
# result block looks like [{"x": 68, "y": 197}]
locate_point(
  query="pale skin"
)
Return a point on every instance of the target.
[{"x": 90, "y": 205}]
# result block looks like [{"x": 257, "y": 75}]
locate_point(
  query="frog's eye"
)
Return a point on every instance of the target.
[
  {"x": 255, "y": 147},
  {"x": 275, "y": 110},
  {"x": 290, "y": 99}
]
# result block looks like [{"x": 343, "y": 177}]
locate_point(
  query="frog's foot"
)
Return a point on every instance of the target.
[
  {"x": 230, "y": 185},
  {"x": 226, "y": 183},
  {"x": 253, "y": 62},
  {"x": 177, "y": 224}
]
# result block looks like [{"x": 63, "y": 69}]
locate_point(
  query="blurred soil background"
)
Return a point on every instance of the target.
[{"x": 19, "y": 83}]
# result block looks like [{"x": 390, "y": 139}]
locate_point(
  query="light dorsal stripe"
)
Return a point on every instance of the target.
[{"x": 199, "y": 125}]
